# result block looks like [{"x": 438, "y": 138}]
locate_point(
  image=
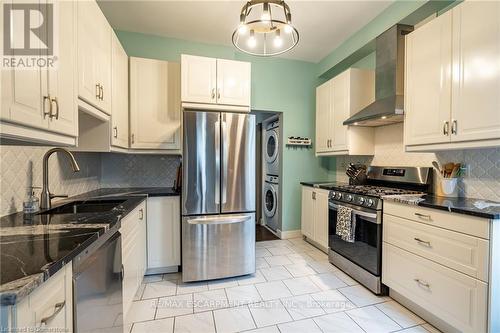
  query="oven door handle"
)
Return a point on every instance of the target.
[{"x": 356, "y": 211}]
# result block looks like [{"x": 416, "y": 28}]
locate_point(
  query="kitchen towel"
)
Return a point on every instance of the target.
[{"x": 346, "y": 225}]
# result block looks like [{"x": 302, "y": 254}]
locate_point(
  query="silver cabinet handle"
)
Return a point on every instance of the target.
[
  {"x": 220, "y": 220},
  {"x": 454, "y": 127},
  {"x": 446, "y": 128},
  {"x": 422, "y": 283},
  {"x": 122, "y": 273},
  {"x": 101, "y": 95},
  {"x": 132, "y": 138},
  {"x": 56, "y": 114},
  {"x": 115, "y": 132},
  {"x": 218, "y": 93},
  {"x": 57, "y": 308},
  {"x": 423, "y": 216},
  {"x": 213, "y": 93},
  {"x": 97, "y": 90},
  {"x": 314, "y": 195},
  {"x": 420, "y": 241},
  {"x": 45, "y": 113},
  {"x": 141, "y": 214}
]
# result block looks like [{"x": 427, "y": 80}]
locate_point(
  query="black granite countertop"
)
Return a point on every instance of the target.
[
  {"x": 454, "y": 205},
  {"x": 33, "y": 248},
  {"x": 325, "y": 185}
]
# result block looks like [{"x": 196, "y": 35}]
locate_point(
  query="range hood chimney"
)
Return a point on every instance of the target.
[{"x": 388, "y": 107}]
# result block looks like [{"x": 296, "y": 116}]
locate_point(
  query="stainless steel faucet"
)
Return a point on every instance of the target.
[{"x": 46, "y": 196}]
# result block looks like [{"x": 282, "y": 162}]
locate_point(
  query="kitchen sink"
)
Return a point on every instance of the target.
[{"x": 88, "y": 206}]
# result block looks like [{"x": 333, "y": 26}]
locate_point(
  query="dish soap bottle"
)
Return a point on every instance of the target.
[{"x": 32, "y": 203}]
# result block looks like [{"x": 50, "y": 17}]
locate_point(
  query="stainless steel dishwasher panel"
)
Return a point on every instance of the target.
[
  {"x": 218, "y": 246},
  {"x": 97, "y": 288}
]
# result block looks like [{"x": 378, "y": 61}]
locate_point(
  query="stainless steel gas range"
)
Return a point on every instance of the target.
[{"x": 362, "y": 259}]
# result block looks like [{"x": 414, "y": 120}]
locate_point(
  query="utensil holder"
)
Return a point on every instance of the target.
[{"x": 448, "y": 187}]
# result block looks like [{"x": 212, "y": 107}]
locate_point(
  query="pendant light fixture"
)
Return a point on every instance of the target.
[{"x": 265, "y": 28}]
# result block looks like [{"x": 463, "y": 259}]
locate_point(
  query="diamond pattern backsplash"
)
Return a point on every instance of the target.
[
  {"x": 21, "y": 167},
  {"x": 135, "y": 170},
  {"x": 481, "y": 181}
]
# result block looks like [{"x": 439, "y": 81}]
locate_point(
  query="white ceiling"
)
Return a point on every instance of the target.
[{"x": 323, "y": 25}]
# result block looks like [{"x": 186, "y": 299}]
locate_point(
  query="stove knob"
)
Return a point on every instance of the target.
[
  {"x": 349, "y": 197},
  {"x": 361, "y": 200},
  {"x": 339, "y": 195},
  {"x": 370, "y": 202},
  {"x": 332, "y": 194}
]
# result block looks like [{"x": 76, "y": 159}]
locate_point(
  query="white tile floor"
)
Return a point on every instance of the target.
[{"x": 295, "y": 289}]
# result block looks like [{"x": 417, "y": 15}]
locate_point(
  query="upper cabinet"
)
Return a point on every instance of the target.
[
  {"x": 94, "y": 56},
  {"x": 119, "y": 95},
  {"x": 155, "y": 108},
  {"x": 39, "y": 104},
  {"x": 337, "y": 100},
  {"x": 215, "y": 83},
  {"x": 453, "y": 80}
]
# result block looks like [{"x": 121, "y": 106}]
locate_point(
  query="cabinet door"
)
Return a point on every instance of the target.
[
  {"x": 476, "y": 54},
  {"x": 323, "y": 120},
  {"x": 163, "y": 232},
  {"x": 321, "y": 218},
  {"x": 340, "y": 102},
  {"x": 103, "y": 65},
  {"x": 154, "y": 104},
  {"x": 22, "y": 98},
  {"x": 199, "y": 79},
  {"x": 88, "y": 53},
  {"x": 233, "y": 82},
  {"x": 119, "y": 95},
  {"x": 307, "y": 215},
  {"x": 61, "y": 80},
  {"x": 428, "y": 82}
]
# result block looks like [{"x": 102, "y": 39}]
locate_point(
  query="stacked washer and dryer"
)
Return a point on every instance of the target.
[{"x": 270, "y": 194}]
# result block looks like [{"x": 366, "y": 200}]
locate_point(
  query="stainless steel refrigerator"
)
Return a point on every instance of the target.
[{"x": 218, "y": 195}]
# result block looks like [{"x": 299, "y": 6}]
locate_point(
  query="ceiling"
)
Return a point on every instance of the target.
[{"x": 323, "y": 25}]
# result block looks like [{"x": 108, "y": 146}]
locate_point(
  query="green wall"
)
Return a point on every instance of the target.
[{"x": 280, "y": 85}]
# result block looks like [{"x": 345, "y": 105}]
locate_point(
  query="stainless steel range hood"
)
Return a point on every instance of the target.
[{"x": 388, "y": 107}]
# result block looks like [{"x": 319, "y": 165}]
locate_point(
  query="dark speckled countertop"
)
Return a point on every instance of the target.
[{"x": 33, "y": 248}]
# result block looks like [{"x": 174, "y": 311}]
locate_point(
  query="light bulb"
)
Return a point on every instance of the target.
[
  {"x": 242, "y": 29},
  {"x": 252, "y": 41},
  {"x": 288, "y": 28},
  {"x": 278, "y": 41}
]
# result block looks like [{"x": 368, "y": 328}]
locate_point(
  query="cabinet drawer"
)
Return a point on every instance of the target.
[
  {"x": 458, "y": 299},
  {"x": 463, "y": 253},
  {"x": 469, "y": 225}
]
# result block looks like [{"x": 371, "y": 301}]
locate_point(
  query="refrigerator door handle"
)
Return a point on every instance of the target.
[
  {"x": 217, "y": 162},
  {"x": 213, "y": 220},
  {"x": 224, "y": 161}
]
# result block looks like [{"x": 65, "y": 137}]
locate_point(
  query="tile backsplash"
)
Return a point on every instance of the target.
[
  {"x": 135, "y": 170},
  {"x": 481, "y": 181},
  {"x": 21, "y": 167}
]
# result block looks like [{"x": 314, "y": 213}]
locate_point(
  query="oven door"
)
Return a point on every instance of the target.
[{"x": 366, "y": 251}]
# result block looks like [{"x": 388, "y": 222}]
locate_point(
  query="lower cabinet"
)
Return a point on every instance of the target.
[
  {"x": 133, "y": 232},
  {"x": 164, "y": 234},
  {"x": 314, "y": 216},
  {"x": 49, "y": 307}
]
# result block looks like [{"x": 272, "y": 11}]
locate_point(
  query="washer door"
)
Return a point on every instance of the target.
[
  {"x": 270, "y": 200},
  {"x": 271, "y": 146}
]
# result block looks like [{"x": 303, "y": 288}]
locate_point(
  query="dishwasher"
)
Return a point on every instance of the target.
[{"x": 97, "y": 286}]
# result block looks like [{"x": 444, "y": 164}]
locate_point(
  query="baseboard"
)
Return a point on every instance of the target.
[
  {"x": 162, "y": 270},
  {"x": 289, "y": 234}
]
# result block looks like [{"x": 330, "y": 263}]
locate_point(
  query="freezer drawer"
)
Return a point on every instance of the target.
[{"x": 218, "y": 246}]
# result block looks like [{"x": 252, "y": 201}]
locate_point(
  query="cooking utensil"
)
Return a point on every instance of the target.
[
  {"x": 436, "y": 165},
  {"x": 448, "y": 169},
  {"x": 456, "y": 170}
]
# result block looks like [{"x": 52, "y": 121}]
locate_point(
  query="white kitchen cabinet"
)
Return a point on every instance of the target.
[
  {"x": 337, "y": 100},
  {"x": 155, "y": 114},
  {"x": 49, "y": 307},
  {"x": 133, "y": 230},
  {"x": 94, "y": 56},
  {"x": 314, "y": 216},
  {"x": 119, "y": 95},
  {"x": 453, "y": 79},
  {"x": 211, "y": 82},
  {"x": 163, "y": 234},
  {"x": 40, "y": 104}
]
